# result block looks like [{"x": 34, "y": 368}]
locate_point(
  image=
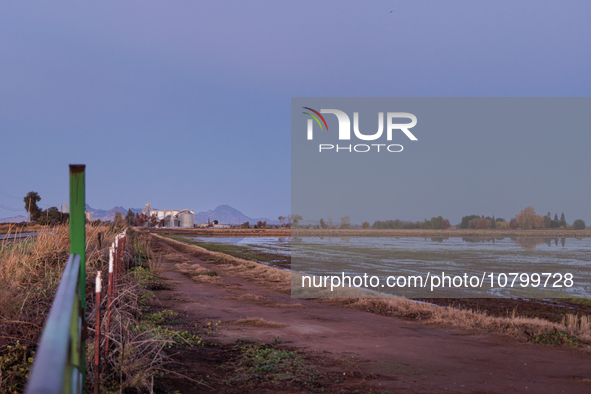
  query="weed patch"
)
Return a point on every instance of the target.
[
  {"x": 147, "y": 279},
  {"x": 15, "y": 366},
  {"x": 266, "y": 365},
  {"x": 154, "y": 325},
  {"x": 555, "y": 337}
]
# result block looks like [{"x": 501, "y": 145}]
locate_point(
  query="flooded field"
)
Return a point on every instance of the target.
[{"x": 385, "y": 257}]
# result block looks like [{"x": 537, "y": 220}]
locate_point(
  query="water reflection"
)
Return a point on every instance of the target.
[
  {"x": 524, "y": 243},
  {"x": 482, "y": 239},
  {"x": 527, "y": 243}
]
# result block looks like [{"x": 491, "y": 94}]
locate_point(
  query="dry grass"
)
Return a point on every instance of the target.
[
  {"x": 201, "y": 275},
  {"x": 190, "y": 269},
  {"x": 257, "y": 322},
  {"x": 514, "y": 325},
  {"x": 12, "y": 228},
  {"x": 275, "y": 278},
  {"x": 30, "y": 271}
]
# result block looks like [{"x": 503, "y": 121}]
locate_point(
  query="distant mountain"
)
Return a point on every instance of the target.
[
  {"x": 225, "y": 214},
  {"x": 104, "y": 215},
  {"x": 14, "y": 219}
]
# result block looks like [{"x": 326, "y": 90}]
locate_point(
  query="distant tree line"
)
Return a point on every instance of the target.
[
  {"x": 526, "y": 219},
  {"x": 481, "y": 222},
  {"x": 435, "y": 223}
]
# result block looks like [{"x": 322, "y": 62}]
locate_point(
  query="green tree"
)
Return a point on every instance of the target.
[
  {"x": 436, "y": 222},
  {"x": 493, "y": 222},
  {"x": 245, "y": 225},
  {"x": 281, "y": 220},
  {"x": 51, "y": 217},
  {"x": 548, "y": 221},
  {"x": 365, "y": 224},
  {"x": 323, "y": 224},
  {"x": 425, "y": 224},
  {"x": 466, "y": 221},
  {"x": 129, "y": 217},
  {"x": 118, "y": 219},
  {"x": 555, "y": 222},
  {"x": 579, "y": 224},
  {"x": 31, "y": 200},
  {"x": 562, "y": 220}
]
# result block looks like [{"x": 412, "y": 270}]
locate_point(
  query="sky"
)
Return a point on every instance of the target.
[{"x": 186, "y": 104}]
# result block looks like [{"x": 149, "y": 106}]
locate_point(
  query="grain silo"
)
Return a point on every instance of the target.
[
  {"x": 172, "y": 217},
  {"x": 187, "y": 219}
]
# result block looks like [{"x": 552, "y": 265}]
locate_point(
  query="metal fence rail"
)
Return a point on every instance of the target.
[{"x": 58, "y": 366}]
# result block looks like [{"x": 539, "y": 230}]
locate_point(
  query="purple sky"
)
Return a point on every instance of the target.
[{"x": 187, "y": 104}]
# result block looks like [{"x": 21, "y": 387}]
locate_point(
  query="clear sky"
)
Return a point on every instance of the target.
[{"x": 186, "y": 104}]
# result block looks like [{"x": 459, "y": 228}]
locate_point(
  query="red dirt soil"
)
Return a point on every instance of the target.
[{"x": 376, "y": 353}]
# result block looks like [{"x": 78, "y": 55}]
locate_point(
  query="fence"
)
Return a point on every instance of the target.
[{"x": 59, "y": 365}]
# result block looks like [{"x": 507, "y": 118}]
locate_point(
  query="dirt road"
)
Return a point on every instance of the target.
[{"x": 374, "y": 353}]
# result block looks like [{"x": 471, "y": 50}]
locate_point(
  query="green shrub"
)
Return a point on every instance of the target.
[
  {"x": 15, "y": 365},
  {"x": 555, "y": 337},
  {"x": 579, "y": 224}
]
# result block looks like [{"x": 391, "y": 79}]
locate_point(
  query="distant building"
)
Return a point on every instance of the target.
[
  {"x": 172, "y": 217},
  {"x": 89, "y": 216},
  {"x": 210, "y": 223}
]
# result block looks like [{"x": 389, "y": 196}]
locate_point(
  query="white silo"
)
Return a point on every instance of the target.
[{"x": 187, "y": 219}]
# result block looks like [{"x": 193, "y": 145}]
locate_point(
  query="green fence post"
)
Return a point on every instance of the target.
[
  {"x": 78, "y": 242},
  {"x": 78, "y": 223}
]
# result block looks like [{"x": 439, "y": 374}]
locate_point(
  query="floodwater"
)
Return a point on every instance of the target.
[{"x": 384, "y": 257}]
